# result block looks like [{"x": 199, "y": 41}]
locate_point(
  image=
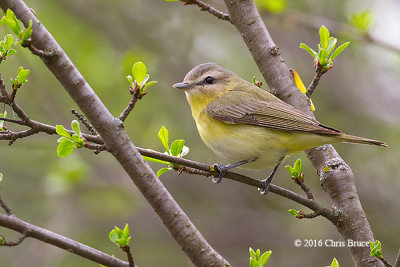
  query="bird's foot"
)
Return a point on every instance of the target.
[
  {"x": 266, "y": 182},
  {"x": 221, "y": 169}
]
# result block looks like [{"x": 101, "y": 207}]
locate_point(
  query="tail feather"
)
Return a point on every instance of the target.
[{"x": 360, "y": 140}]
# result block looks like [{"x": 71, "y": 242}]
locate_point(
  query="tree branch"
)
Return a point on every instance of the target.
[
  {"x": 118, "y": 143},
  {"x": 207, "y": 7},
  {"x": 339, "y": 181},
  {"x": 30, "y": 230}
]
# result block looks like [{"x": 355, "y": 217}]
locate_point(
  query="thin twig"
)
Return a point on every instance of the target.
[
  {"x": 207, "y": 7},
  {"x": 5, "y": 207},
  {"x": 387, "y": 264},
  {"x": 85, "y": 122},
  {"x": 397, "y": 262},
  {"x": 38, "y": 52},
  {"x": 135, "y": 96},
  {"x": 189, "y": 170},
  {"x": 13, "y": 94},
  {"x": 315, "y": 81},
  {"x": 13, "y": 223},
  {"x": 13, "y": 121},
  {"x": 16, "y": 242},
  {"x": 128, "y": 252}
]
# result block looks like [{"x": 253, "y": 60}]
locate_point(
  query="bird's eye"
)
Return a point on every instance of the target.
[{"x": 209, "y": 80}]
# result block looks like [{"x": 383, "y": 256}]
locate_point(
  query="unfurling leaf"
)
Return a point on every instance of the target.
[{"x": 139, "y": 71}]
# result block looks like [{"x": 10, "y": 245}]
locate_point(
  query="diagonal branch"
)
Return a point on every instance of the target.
[
  {"x": 118, "y": 143},
  {"x": 339, "y": 181},
  {"x": 207, "y": 7},
  {"x": 30, "y": 230}
]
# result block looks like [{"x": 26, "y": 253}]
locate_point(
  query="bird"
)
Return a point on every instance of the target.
[{"x": 247, "y": 126}]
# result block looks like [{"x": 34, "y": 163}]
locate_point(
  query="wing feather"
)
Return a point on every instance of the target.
[{"x": 264, "y": 110}]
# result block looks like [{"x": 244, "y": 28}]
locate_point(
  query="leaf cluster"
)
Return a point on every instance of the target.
[
  {"x": 362, "y": 21},
  {"x": 3, "y": 115},
  {"x": 334, "y": 263},
  {"x": 67, "y": 142},
  {"x": 21, "y": 78},
  {"x": 258, "y": 260},
  {"x": 17, "y": 27},
  {"x": 5, "y": 46},
  {"x": 376, "y": 249},
  {"x": 140, "y": 79},
  {"x": 326, "y": 50},
  {"x": 176, "y": 149},
  {"x": 120, "y": 237},
  {"x": 296, "y": 170}
]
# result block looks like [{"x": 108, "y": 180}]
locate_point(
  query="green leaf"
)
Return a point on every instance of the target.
[
  {"x": 1, "y": 177},
  {"x": 265, "y": 257},
  {"x": 252, "y": 253},
  {"x": 163, "y": 136},
  {"x": 22, "y": 75},
  {"x": 324, "y": 36},
  {"x": 309, "y": 50},
  {"x": 122, "y": 242},
  {"x": 4, "y": 115},
  {"x": 76, "y": 128},
  {"x": 362, "y": 20},
  {"x": 130, "y": 79},
  {"x": 156, "y": 160},
  {"x": 273, "y": 6},
  {"x": 258, "y": 252},
  {"x": 294, "y": 212},
  {"x": 11, "y": 52},
  {"x": 339, "y": 50},
  {"x": 1, "y": 241},
  {"x": 332, "y": 44},
  {"x": 65, "y": 148},
  {"x": 376, "y": 249},
  {"x": 289, "y": 169},
  {"x": 297, "y": 167},
  {"x": 335, "y": 263},
  {"x": 254, "y": 263},
  {"x": 60, "y": 130},
  {"x": 139, "y": 71},
  {"x": 322, "y": 55},
  {"x": 125, "y": 232},
  {"x": 162, "y": 170},
  {"x": 12, "y": 23},
  {"x": 28, "y": 32},
  {"x": 114, "y": 234},
  {"x": 176, "y": 147},
  {"x": 147, "y": 85},
  {"x": 8, "y": 41}
]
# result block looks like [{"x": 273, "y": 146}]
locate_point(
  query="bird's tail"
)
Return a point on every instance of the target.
[{"x": 360, "y": 140}]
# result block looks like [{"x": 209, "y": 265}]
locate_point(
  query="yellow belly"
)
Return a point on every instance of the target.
[{"x": 234, "y": 142}]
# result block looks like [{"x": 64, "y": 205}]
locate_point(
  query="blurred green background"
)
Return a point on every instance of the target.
[{"x": 84, "y": 195}]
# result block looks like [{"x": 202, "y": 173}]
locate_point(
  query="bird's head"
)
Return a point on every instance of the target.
[{"x": 205, "y": 82}]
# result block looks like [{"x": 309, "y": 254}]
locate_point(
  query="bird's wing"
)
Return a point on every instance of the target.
[{"x": 264, "y": 110}]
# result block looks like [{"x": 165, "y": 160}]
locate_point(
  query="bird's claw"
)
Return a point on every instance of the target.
[
  {"x": 264, "y": 191},
  {"x": 221, "y": 169}
]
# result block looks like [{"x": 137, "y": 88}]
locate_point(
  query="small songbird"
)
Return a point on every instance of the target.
[{"x": 248, "y": 126}]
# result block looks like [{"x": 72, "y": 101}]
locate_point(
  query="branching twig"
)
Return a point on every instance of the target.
[
  {"x": 207, "y": 7},
  {"x": 16, "y": 242},
  {"x": 128, "y": 252},
  {"x": 385, "y": 262},
  {"x": 85, "y": 122},
  {"x": 30, "y": 230},
  {"x": 38, "y": 52},
  {"x": 315, "y": 81},
  {"x": 5, "y": 207},
  {"x": 135, "y": 92}
]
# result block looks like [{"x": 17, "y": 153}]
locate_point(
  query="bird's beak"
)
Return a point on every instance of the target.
[{"x": 182, "y": 85}]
